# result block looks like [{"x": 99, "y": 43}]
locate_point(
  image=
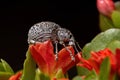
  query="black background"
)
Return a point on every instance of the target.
[{"x": 80, "y": 17}]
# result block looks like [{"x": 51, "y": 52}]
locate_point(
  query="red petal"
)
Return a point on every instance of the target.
[
  {"x": 44, "y": 56},
  {"x": 118, "y": 60},
  {"x": 85, "y": 63},
  {"x": 72, "y": 63},
  {"x": 16, "y": 76},
  {"x": 38, "y": 58},
  {"x": 96, "y": 59}
]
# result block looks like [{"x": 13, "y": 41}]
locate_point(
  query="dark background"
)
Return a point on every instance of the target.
[{"x": 80, "y": 17}]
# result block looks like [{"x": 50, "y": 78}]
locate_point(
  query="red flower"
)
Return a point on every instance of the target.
[
  {"x": 105, "y": 7},
  {"x": 16, "y": 76},
  {"x": 96, "y": 59},
  {"x": 43, "y": 54},
  {"x": 118, "y": 60}
]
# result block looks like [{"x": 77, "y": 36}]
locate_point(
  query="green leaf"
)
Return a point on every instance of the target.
[
  {"x": 117, "y": 5},
  {"x": 101, "y": 41},
  {"x": 82, "y": 71},
  {"x": 5, "y": 70},
  {"x": 113, "y": 45},
  {"x": 7, "y": 67},
  {"x": 37, "y": 76},
  {"x": 29, "y": 68},
  {"x": 92, "y": 76},
  {"x": 1, "y": 68},
  {"x": 105, "y": 23},
  {"x": 44, "y": 77},
  {"x": 116, "y": 18},
  {"x": 41, "y": 76},
  {"x": 5, "y": 75},
  {"x": 105, "y": 69},
  {"x": 59, "y": 74},
  {"x": 77, "y": 78}
]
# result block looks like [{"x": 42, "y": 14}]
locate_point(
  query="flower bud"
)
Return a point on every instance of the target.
[{"x": 105, "y": 7}]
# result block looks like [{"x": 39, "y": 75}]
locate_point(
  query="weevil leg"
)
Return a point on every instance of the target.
[
  {"x": 56, "y": 50},
  {"x": 76, "y": 48},
  {"x": 71, "y": 55}
]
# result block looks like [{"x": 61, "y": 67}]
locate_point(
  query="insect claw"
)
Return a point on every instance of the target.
[
  {"x": 71, "y": 55},
  {"x": 56, "y": 57}
]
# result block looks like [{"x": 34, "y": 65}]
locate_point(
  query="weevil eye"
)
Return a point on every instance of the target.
[{"x": 70, "y": 36}]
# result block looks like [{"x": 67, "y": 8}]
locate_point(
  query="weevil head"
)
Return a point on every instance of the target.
[{"x": 64, "y": 35}]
